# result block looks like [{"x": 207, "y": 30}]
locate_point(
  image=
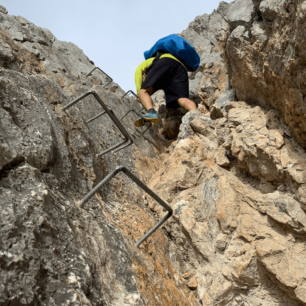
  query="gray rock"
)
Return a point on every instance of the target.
[
  {"x": 209, "y": 57},
  {"x": 240, "y": 13},
  {"x": 193, "y": 88},
  {"x": 171, "y": 120},
  {"x": 200, "y": 24},
  {"x": 271, "y": 8},
  {"x": 221, "y": 241},
  {"x": 223, "y": 8},
  {"x": 47, "y": 162},
  {"x": 31, "y": 140},
  {"x": 24, "y": 22},
  {"x": 6, "y": 53},
  {"x": 3, "y": 10},
  {"x": 197, "y": 41},
  {"x": 218, "y": 108},
  {"x": 246, "y": 35},
  {"x": 49, "y": 34},
  {"x": 208, "y": 87},
  {"x": 21, "y": 30},
  {"x": 185, "y": 129},
  {"x": 233, "y": 43},
  {"x": 226, "y": 97},
  {"x": 258, "y": 33},
  {"x": 256, "y": 4},
  {"x": 53, "y": 253},
  {"x": 218, "y": 25}
]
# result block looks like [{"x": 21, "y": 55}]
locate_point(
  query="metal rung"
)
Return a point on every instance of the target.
[
  {"x": 147, "y": 128},
  {"x": 130, "y": 91},
  {"x": 128, "y": 139},
  {"x": 95, "y": 117},
  {"x": 143, "y": 187},
  {"x": 137, "y": 113},
  {"x": 141, "y": 109},
  {"x": 131, "y": 110},
  {"x": 102, "y": 72},
  {"x": 149, "y": 124}
]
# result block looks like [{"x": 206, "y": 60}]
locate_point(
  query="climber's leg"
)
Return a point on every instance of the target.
[
  {"x": 158, "y": 77},
  {"x": 145, "y": 99},
  {"x": 186, "y": 104}
]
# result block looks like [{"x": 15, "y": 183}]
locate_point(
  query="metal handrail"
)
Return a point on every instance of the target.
[
  {"x": 102, "y": 72},
  {"x": 128, "y": 139},
  {"x": 143, "y": 187}
]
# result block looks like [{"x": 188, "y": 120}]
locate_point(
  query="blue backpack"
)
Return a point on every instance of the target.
[{"x": 179, "y": 48}]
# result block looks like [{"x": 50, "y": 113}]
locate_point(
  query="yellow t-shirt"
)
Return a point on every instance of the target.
[{"x": 142, "y": 68}]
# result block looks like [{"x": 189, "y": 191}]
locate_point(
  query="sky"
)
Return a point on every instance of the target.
[{"x": 112, "y": 33}]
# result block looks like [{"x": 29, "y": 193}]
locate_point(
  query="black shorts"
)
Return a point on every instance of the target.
[{"x": 170, "y": 76}]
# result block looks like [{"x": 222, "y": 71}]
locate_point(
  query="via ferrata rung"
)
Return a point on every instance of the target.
[
  {"x": 119, "y": 146},
  {"x": 103, "y": 73},
  {"x": 143, "y": 187},
  {"x": 136, "y": 112}
]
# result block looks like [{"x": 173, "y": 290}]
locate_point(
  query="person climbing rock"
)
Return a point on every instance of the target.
[{"x": 165, "y": 67}]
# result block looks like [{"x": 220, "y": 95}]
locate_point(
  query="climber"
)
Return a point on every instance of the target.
[{"x": 163, "y": 70}]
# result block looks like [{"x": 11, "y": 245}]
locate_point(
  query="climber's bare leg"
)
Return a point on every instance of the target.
[
  {"x": 145, "y": 97},
  {"x": 186, "y": 104}
]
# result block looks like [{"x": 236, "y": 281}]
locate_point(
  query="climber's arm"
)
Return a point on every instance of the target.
[{"x": 141, "y": 69}]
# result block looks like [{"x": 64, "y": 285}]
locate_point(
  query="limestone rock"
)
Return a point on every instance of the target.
[
  {"x": 240, "y": 13},
  {"x": 170, "y": 121},
  {"x": 193, "y": 284},
  {"x": 279, "y": 87},
  {"x": 221, "y": 242},
  {"x": 221, "y": 158},
  {"x": 234, "y": 171},
  {"x": 271, "y": 8},
  {"x": 3, "y": 9},
  {"x": 185, "y": 128},
  {"x": 186, "y": 275},
  {"x": 52, "y": 251}
]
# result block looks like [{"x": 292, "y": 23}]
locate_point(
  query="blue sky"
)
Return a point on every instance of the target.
[{"x": 112, "y": 33}]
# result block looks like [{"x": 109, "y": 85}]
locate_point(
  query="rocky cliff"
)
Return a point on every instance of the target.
[{"x": 234, "y": 172}]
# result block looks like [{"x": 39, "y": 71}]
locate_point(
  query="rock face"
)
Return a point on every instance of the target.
[
  {"x": 267, "y": 60},
  {"x": 53, "y": 253},
  {"x": 233, "y": 171}
]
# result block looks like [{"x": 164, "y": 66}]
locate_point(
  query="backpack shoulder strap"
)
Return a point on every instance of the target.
[{"x": 157, "y": 55}]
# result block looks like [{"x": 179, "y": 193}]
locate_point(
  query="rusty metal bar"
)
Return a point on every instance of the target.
[
  {"x": 143, "y": 187},
  {"x": 102, "y": 72},
  {"x": 128, "y": 139}
]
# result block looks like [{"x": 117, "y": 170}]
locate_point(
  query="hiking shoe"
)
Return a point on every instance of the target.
[{"x": 147, "y": 118}]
